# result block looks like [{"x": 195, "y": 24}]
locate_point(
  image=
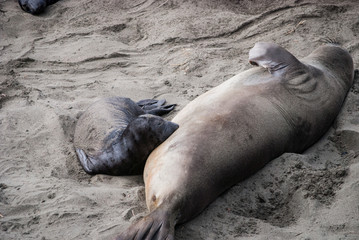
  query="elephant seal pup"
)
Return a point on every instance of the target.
[
  {"x": 233, "y": 130},
  {"x": 35, "y": 6},
  {"x": 115, "y": 135}
]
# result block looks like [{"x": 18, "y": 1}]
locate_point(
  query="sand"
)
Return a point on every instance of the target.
[{"x": 53, "y": 66}]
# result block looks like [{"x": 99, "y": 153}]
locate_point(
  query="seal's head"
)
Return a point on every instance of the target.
[
  {"x": 337, "y": 60},
  {"x": 33, "y": 6},
  {"x": 159, "y": 127}
]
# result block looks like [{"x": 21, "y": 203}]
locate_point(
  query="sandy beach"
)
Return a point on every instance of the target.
[{"x": 53, "y": 66}]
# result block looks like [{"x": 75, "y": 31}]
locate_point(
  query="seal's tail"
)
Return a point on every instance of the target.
[
  {"x": 155, "y": 107},
  {"x": 158, "y": 225}
]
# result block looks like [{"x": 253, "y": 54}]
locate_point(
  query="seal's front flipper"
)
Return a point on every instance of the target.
[
  {"x": 158, "y": 225},
  {"x": 155, "y": 107},
  {"x": 273, "y": 57}
]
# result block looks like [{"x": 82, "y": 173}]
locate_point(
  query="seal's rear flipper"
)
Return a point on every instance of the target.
[
  {"x": 35, "y": 6},
  {"x": 85, "y": 161},
  {"x": 155, "y": 107},
  {"x": 157, "y": 225},
  {"x": 273, "y": 57}
]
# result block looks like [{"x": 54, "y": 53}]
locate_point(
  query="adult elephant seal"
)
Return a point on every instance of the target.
[
  {"x": 35, "y": 6},
  {"x": 233, "y": 130},
  {"x": 115, "y": 135}
]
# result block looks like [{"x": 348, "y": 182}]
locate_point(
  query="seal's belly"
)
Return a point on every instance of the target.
[
  {"x": 221, "y": 142},
  {"x": 229, "y": 133}
]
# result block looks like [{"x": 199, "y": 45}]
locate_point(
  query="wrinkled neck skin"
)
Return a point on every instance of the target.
[
  {"x": 321, "y": 82},
  {"x": 330, "y": 59},
  {"x": 334, "y": 60}
]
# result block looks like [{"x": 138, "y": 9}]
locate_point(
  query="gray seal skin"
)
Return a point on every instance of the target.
[
  {"x": 35, "y": 6},
  {"x": 233, "y": 130},
  {"x": 115, "y": 135}
]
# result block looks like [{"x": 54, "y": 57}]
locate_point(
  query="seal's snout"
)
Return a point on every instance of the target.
[
  {"x": 170, "y": 128},
  {"x": 33, "y": 6}
]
